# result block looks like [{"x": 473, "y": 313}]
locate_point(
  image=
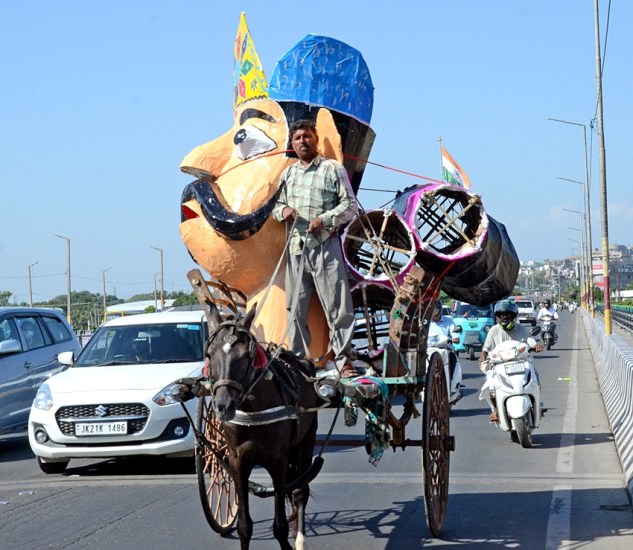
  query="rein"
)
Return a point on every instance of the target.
[{"x": 246, "y": 385}]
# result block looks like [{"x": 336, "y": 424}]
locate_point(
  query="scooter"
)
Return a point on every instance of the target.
[
  {"x": 548, "y": 332},
  {"x": 572, "y": 308},
  {"x": 439, "y": 347},
  {"x": 513, "y": 381}
]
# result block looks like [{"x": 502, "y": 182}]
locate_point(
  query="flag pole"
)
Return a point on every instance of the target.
[{"x": 441, "y": 163}]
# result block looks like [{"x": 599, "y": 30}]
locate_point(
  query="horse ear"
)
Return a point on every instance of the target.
[
  {"x": 248, "y": 320},
  {"x": 213, "y": 315}
]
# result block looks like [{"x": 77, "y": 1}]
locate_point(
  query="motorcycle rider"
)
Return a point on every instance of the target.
[
  {"x": 444, "y": 325},
  {"x": 507, "y": 328},
  {"x": 548, "y": 312}
]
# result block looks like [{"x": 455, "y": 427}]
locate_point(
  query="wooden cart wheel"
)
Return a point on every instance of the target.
[
  {"x": 215, "y": 483},
  {"x": 437, "y": 444}
]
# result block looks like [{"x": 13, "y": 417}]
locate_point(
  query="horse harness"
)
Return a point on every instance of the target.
[{"x": 260, "y": 366}]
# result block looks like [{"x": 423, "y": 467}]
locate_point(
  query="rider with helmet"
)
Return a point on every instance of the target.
[
  {"x": 507, "y": 328},
  {"x": 547, "y": 313}
]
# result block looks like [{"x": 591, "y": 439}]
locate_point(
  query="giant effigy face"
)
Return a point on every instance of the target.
[{"x": 226, "y": 221}]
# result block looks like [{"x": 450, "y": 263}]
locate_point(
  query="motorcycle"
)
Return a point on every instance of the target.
[
  {"x": 548, "y": 332},
  {"x": 513, "y": 381},
  {"x": 439, "y": 346}
]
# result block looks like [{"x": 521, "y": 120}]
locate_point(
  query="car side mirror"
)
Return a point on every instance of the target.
[
  {"x": 10, "y": 346},
  {"x": 66, "y": 358}
]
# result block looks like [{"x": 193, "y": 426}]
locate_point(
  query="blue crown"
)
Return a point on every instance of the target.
[{"x": 325, "y": 72}]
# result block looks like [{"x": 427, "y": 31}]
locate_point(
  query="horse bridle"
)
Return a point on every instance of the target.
[{"x": 246, "y": 385}]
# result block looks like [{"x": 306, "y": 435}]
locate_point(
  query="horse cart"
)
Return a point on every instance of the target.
[
  {"x": 404, "y": 372},
  {"x": 437, "y": 237}
]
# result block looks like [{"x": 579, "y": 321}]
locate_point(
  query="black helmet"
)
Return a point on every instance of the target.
[
  {"x": 547, "y": 303},
  {"x": 507, "y": 306}
]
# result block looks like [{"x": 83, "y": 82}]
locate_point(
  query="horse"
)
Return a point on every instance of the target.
[{"x": 249, "y": 393}]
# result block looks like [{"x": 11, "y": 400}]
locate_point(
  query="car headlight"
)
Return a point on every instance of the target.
[
  {"x": 43, "y": 398},
  {"x": 165, "y": 396}
]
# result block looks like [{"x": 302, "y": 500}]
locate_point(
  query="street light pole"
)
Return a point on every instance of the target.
[
  {"x": 30, "y": 285},
  {"x": 162, "y": 279},
  {"x": 582, "y": 266},
  {"x": 587, "y": 254},
  {"x": 155, "y": 302},
  {"x": 104, "y": 294},
  {"x": 68, "y": 289},
  {"x": 587, "y": 213}
]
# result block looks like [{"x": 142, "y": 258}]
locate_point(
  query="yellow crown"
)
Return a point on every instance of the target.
[{"x": 249, "y": 81}]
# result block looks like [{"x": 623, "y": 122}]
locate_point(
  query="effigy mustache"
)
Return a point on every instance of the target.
[{"x": 231, "y": 225}]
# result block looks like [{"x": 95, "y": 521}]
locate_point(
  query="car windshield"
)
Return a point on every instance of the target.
[
  {"x": 522, "y": 303},
  {"x": 133, "y": 344},
  {"x": 467, "y": 310}
]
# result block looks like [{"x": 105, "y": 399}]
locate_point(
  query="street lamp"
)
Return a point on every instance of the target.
[
  {"x": 104, "y": 294},
  {"x": 588, "y": 254},
  {"x": 587, "y": 212},
  {"x": 155, "y": 302},
  {"x": 30, "y": 285},
  {"x": 588, "y": 277},
  {"x": 582, "y": 265},
  {"x": 162, "y": 279},
  {"x": 68, "y": 290}
]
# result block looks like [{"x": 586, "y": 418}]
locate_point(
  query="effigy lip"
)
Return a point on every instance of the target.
[{"x": 229, "y": 224}]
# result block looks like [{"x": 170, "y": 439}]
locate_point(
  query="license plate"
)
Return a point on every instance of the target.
[
  {"x": 515, "y": 369},
  {"x": 100, "y": 428}
]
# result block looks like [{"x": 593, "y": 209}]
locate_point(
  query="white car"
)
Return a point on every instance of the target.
[
  {"x": 115, "y": 399},
  {"x": 527, "y": 311}
]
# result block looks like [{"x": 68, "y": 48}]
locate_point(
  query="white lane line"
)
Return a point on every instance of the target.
[{"x": 559, "y": 522}]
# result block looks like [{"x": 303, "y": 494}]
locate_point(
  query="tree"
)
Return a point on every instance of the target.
[
  {"x": 185, "y": 299},
  {"x": 598, "y": 295},
  {"x": 5, "y": 295}
]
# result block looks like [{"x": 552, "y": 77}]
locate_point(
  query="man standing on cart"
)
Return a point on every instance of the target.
[{"x": 316, "y": 201}]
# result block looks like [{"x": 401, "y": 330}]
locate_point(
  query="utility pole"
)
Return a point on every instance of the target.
[
  {"x": 602, "y": 164},
  {"x": 68, "y": 289},
  {"x": 31, "y": 285},
  {"x": 155, "y": 302},
  {"x": 104, "y": 295},
  {"x": 162, "y": 279}
]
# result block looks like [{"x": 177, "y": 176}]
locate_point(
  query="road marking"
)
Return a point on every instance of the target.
[{"x": 559, "y": 522}]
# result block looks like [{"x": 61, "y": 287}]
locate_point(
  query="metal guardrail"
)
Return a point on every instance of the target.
[{"x": 622, "y": 315}]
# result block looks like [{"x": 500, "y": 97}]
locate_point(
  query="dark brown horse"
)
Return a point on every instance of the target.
[{"x": 269, "y": 418}]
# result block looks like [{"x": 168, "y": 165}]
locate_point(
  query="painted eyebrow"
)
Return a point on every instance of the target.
[{"x": 255, "y": 113}]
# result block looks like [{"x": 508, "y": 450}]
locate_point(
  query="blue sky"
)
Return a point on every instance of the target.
[{"x": 100, "y": 101}]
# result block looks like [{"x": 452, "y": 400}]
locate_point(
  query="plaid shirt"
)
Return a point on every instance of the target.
[{"x": 322, "y": 189}]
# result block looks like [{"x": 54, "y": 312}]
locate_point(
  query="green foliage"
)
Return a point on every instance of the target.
[
  {"x": 184, "y": 299},
  {"x": 5, "y": 295},
  {"x": 598, "y": 295}
]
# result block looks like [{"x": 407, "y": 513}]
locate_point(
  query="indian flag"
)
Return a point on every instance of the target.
[{"x": 452, "y": 172}]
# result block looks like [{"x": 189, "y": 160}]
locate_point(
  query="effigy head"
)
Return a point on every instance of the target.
[{"x": 225, "y": 212}]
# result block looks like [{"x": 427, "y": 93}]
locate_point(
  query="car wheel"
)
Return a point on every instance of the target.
[{"x": 52, "y": 467}]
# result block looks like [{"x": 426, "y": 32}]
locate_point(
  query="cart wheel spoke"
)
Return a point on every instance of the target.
[
  {"x": 437, "y": 445},
  {"x": 215, "y": 483}
]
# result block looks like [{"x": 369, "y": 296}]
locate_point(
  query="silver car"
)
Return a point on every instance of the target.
[{"x": 30, "y": 341}]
